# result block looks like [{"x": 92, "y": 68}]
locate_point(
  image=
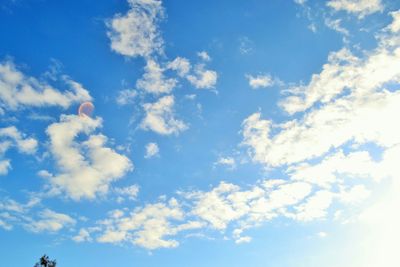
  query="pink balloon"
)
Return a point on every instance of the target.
[{"x": 86, "y": 109}]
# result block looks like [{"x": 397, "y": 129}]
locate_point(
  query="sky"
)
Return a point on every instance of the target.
[{"x": 224, "y": 133}]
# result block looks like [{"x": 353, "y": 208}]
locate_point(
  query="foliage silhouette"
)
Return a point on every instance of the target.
[{"x": 44, "y": 261}]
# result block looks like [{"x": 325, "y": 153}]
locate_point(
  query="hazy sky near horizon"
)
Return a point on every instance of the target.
[{"x": 224, "y": 133}]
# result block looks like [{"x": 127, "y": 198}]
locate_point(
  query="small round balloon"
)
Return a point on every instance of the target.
[{"x": 86, "y": 109}]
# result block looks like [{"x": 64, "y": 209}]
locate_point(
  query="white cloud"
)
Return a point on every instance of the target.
[
  {"x": 215, "y": 207},
  {"x": 203, "y": 78},
  {"x": 126, "y": 97},
  {"x": 18, "y": 90},
  {"x": 358, "y": 7},
  {"x": 359, "y": 120},
  {"x": 343, "y": 71},
  {"x": 315, "y": 206},
  {"x": 354, "y": 195},
  {"x": 5, "y": 166},
  {"x": 243, "y": 239},
  {"x": 136, "y": 33},
  {"x": 86, "y": 168},
  {"x": 331, "y": 135},
  {"x": 227, "y": 203},
  {"x": 152, "y": 150},
  {"x": 50, "y": 221},
  {"x": 24, "y": 145},
  {"x": 129, "y": 192},
  {"x": 82, "y": 236},
  {"x": 354, "y": 107},
  {"x": 180, "y": 65},
  {"x": 226, "y": 161},
  {"x": 223, "y": 207},
  {"x": 147, "y": 227},
  {"x": 300, "y": 2},
  {"x": 395, "y": 25},
  {"x": 11, "y": 137},
  {"x": 160, "y": 117},
  {"x": 260, "y": 81},
  {"x": 333, "y": 169},
  {"x": 335, "y": 25},
  {"x": 154, "y": 81},
  {"x": 204, "y": 56},
  {"x": 200, "y": 77},
  {"x": 13, "y": 213}
]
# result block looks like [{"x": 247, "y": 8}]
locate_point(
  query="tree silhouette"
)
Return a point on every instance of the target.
[{"x": 44, "y": 261}]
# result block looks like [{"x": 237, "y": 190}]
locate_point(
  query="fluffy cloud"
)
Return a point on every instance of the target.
[
  {"x": 203, "y": 78},
  {"x": 226, "y": 161},
  {"x": 136, "y": 33},
  {"x": 204, "y": 56},
  {"x": 199, "y": 76},
  {"x": 86, "y": 168},
  {"x": 395, "y": 25},
  {"x": 335, "y": 25},
  {"x": 332, "y": 169},
  {"x": 227, "y": 202},
  {"x": 24, "y": 145},
  {"x": 152, "y": 150},
  {"x": 315, "y": 206},
  {"x": 229, "y": 208},
  {"x": 160, "y": 117},
  {"x": 50, "y": 221},
  {"x": 11, "y": 137},
  {"x": 126, "y": 97},
  {"x": 364, "y": 113},
  {"x": 28, "y": 216},
  {"x": 344, "y": 70},
  {"x": 361, "y": 120},
  {"x": 18, "y": 90},
  {"x": 358, "y": 7},
  {"x": 146, "y": 227},
  {"x": 82, "y": 236},
  {"x": 153, "y": 81},
  {"x": 128, "y": 192},
  {"x": 180, "y": 65},
  {"x": 226, "y": 207},
  {"x": 260, "y": 81}
]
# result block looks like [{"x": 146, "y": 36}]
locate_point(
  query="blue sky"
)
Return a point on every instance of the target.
[{"x": 225, "y": 133}]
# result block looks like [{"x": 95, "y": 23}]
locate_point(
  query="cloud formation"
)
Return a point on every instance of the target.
[
  {"x": 32, "y": 218},
  {"x": 363, "y": 114},
  {"x": 202, "y": 78},
  {"x": 152, "y": 150},
  {"x": 11, "y": 137},
  {"x": 86, "y": 167},
  {"x": 18, "y": 90},
  {"x": 160, "y": 117},
  {"x": 154, "y": 81},
  {"x": 361, "y": 8},
  {"x": 260, "y": 81},
  {"x": 136, "y": 33},
  {"x": 226, "y": 208}
]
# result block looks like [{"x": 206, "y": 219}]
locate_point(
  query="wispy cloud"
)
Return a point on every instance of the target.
[
  {"x": 11, "y": 137},
  {"x": 261, "y": 81},
  {"x": 160, "y": 117},
  {"x": 18, "y": 90},
  {"x": 361, "y": 8},
  {"x": 152, "y": 150},
  {"x": 136, "y": 32}
]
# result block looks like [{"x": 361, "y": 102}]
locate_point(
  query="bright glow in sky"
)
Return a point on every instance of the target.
[{"x": 226, "y": 133}]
